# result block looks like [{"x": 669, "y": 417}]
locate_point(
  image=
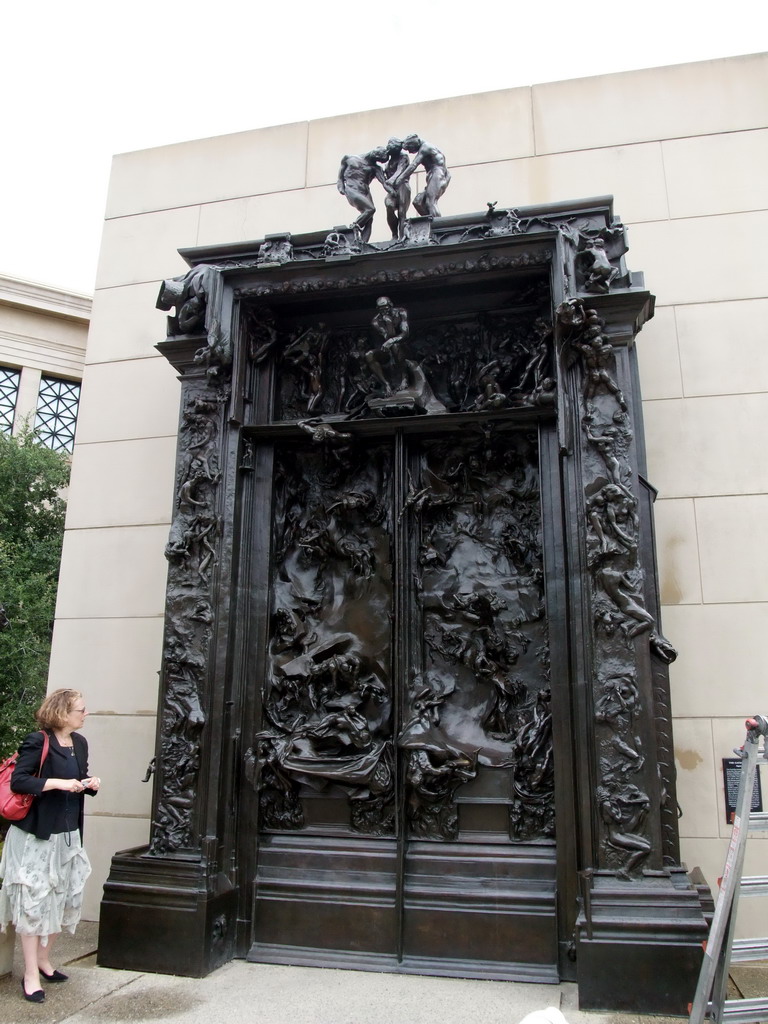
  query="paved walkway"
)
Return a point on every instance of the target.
[{"x": 242, "y": 993}]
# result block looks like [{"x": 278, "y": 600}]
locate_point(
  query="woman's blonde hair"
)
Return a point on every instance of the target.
[{"x": 52, "y": 713}]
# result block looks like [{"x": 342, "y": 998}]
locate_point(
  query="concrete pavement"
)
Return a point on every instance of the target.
[{"x": 243, "y": 993}]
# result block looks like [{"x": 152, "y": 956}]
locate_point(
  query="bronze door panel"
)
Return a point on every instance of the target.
[{"x": 406, "y": 795}]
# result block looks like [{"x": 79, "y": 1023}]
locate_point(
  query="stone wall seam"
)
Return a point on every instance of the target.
[
  {"x": 648, "y": 402},
  {"x": 152, "y": 213},
  {"x": 712, "y": 302},
  {"x": 709, "y": 216},
  {"x": 660, "y": 144},
  {"x": 126, "y": 440},
  {"x": 99, "y": 619},
  {"x": 122, "y": 526},
  {"x": 127, "y": 359},
  {"x": 197, "y": 229},
  {"x": 306, "y": 154},
  {"x": 122, "y": 714},
  {"x": 648, "y": 142},
  {"x": 112, "y": 814}
]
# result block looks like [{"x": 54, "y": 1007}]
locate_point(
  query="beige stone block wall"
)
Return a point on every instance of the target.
[
  {"x": 207, "y": 170},
  {"x": 710, "y": 855},
  {"x": 109, "y": 471},
  {"x": 677, "y": 537},
  {"x": 659, "y": 358},
  {"x": 705, "y": 446},
  {"x": 240, "y": 220},
  {"x": 112, "y": 573},
  {"x": 104, "y": 834},
  {"x": 739, "y": 158},
  {"x": 721, "y": 660},
  {"x": 143, "y": 248},
  {"x": 120, "y": 673},
  {"x": 728, "y": 272},
  {"x": 707, "y": 331},
  {"x": 706, "y": 412},
  {"x": 125, "y": 324},
  {"x": 123, "y": 755},
  {"x": 683, "y": 151},
  {"x": 128, "y": 400},
  {"x": 706, "y": 98},
  {"x": 634, "y": 175},
  {"x": 471, "y": 129}
]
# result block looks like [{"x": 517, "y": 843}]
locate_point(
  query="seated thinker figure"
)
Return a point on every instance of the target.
[{"x": 392, "y": 324}]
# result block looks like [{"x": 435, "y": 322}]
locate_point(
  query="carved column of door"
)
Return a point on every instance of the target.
[{"x": 404, "y": 759}]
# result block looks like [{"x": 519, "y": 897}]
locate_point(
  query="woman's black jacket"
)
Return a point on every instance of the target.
[{"x": 47, "y": 811}]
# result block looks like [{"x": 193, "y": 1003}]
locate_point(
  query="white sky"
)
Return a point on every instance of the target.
[{"x": 84, "y": 79}]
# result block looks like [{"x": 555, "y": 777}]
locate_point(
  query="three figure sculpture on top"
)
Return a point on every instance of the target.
[{"x": 357, "y": 172}]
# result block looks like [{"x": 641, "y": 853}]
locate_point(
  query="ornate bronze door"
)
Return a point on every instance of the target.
[
  {"x": 412, "y": 621},
  {"x": 402, "y": 747}
]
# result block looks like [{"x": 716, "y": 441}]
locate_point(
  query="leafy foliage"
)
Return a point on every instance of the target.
[{"x": 32, "y": 479}]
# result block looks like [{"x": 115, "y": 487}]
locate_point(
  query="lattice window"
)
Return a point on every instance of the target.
[
  {"x": 57, "y": 403},
  {"x": 9, "y": 390}
]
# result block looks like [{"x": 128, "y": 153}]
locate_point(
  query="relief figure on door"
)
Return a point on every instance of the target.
[
  {"x": 392, "y": 364},
  {"x": 481, "y": 700},
  {"x": 327, "y": 695}
]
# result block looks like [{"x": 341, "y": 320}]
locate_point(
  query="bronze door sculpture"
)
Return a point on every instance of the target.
[
  {"x": 414, "y": 708},
  {"x": 402, "y": 749}
]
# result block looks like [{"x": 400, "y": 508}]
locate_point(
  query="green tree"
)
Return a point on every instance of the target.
[{"x": 32, "y": 479}]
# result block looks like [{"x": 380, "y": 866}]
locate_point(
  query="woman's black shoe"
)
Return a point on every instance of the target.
[
  {"x": 33, "y": 997},
  {"x": 56, "y": 976}
]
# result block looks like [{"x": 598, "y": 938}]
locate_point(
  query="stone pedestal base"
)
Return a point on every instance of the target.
[
  {"x": 158, "y": 915},
  {"x": 640, "y": 944}
]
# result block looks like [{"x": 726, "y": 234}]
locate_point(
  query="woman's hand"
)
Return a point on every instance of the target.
[
  {"x": 72, "y": 785},
  {"x": 66, "y": 785}
]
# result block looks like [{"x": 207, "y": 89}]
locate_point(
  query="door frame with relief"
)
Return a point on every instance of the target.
[{"x": 299, "y": 343}]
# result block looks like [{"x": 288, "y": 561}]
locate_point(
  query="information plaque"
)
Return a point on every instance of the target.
[{"x": 731, "y": 778}]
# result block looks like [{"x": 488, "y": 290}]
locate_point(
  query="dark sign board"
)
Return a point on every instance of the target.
[{"x": 731, "y": 779}]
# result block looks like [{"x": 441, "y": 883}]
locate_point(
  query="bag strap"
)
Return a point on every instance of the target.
[{"x": 45, "y": 750}]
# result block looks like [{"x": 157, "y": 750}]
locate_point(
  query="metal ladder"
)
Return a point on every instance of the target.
[{"x": 721, "y": 949}]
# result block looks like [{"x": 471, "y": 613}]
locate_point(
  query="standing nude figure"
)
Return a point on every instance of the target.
[
  {"x": 306, "y": 352},
  {"x": 399, "y": 199},
  {"x": 438, "y": 176},
  {"x": 623, "y": 811},
  {"x": 355, "y": 176},
  {"x": 599, "y": 272},
  {"x": 598, "y": 355}
]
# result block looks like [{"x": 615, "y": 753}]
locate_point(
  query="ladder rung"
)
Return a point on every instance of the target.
[
  {"x": 756, "y": 885},
  {"x": 708, "y": 1006},
  {"x": 745, "y": 950},
  {"x": 744, "y": 1011}
]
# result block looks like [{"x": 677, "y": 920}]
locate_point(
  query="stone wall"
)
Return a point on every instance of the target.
[{"x": 683, "y": 150}]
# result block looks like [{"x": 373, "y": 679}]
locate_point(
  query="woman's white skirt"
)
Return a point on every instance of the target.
[{"x": 43, "y": 881}]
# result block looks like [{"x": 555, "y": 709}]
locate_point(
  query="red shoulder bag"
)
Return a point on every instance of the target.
[{"x": 15, "y": 806}]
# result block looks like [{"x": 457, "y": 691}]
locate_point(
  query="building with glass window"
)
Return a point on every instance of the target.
[{"x": 43, "y": 332}]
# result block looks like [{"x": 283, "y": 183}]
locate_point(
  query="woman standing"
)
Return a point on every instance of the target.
[{"x": 44, "y": 865}]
